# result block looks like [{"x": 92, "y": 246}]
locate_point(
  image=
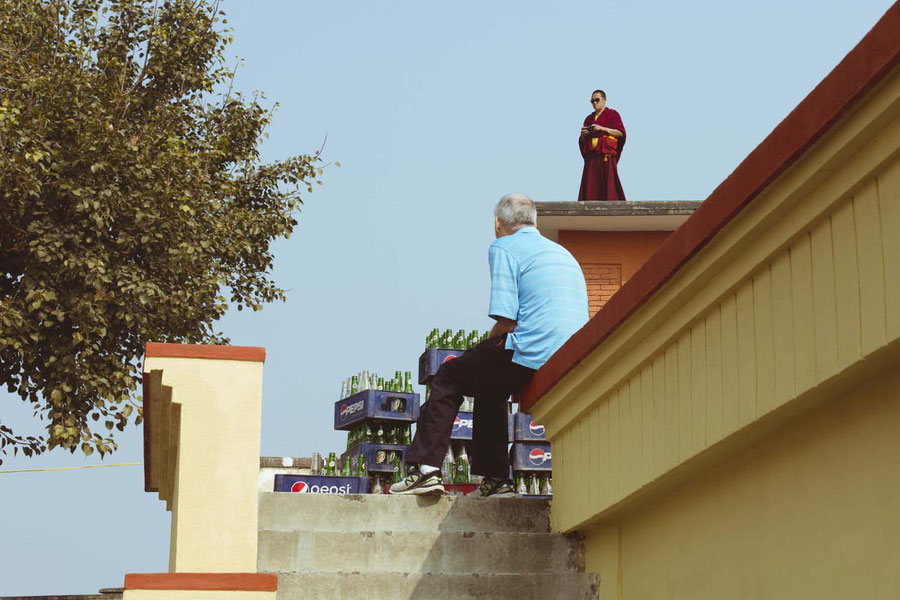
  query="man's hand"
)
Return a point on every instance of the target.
[
  {"x": 503, "y": 325},
  {"x": 596, "y": 129}
]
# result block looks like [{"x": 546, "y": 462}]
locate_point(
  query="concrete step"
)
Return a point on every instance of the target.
[
  {"x": 419, "y": 552},
  {"x": 357, "y": 512},
  {"x": 423, "y": 586}
]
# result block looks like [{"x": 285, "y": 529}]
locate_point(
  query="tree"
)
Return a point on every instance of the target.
[{"x": 132, "y": 201}]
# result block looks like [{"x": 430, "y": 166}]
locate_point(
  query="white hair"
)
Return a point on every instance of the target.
[{"x": 516, "y": 211}]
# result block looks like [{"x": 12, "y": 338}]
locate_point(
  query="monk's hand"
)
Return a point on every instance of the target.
[{"x": 595, "y": 129}]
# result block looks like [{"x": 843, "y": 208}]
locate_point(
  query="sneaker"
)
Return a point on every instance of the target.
[
  {"x": 494, "y": 488},
  {"x": 416, "y": 483}
]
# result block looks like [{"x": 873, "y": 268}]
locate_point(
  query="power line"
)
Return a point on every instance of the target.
[{"x": 71, "y": 468}]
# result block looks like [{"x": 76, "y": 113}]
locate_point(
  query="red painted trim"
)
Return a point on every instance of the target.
[
  {"x": 225, "y": 582},
  {"x": 863, "y": 68},
  {"x": 250, "y": 353}
]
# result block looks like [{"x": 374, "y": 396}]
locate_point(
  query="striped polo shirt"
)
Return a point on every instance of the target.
[{"x": 540, "y": 286}]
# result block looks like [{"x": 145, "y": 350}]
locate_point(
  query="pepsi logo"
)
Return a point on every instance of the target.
[
  {"x": 461, "y": 423},
  {"x": 306, "y": 488},
  {"x": 349, "y": 409},
  {"x": 538, "y": 456},
  {"x": 536, "y": 429},
  {"x": 449, "y": 357}
]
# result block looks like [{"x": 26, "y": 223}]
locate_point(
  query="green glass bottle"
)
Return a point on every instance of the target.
[
  {"x": 407, "y": 382},
  {"x": 345, "y": 467},
  {"x": 397, "y": 476},
  {"x": 407, "y": 435},
  {"x": 361, "y": 470}
]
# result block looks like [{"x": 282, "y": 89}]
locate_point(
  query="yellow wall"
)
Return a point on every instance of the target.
[
  {"x": 795, "y": 303},
  {"x": 809, "y": 513},
  {"x": 205, "y": 419}
]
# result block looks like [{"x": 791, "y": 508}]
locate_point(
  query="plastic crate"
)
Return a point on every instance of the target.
[
  {"x": 530, "y": 456},
  {"x": 371, "y": 451},
  {"x": 462, "y": 427},
  {"x": 464, "y": 423},
  {"x": 432, "y": 359},
  {"x": 526, "y": 430},
  {"x": 321, "y": 484},
  {"x": 375, "y": 404}
]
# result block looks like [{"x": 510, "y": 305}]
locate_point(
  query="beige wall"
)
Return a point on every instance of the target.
[
  {"x": 811, "y": 512},
  {"x": 205, "y": 423},
  {"x": 794, "y": 306}
]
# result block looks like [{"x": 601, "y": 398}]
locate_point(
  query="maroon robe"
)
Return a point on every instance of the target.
[{"x": 600, "y": 178}]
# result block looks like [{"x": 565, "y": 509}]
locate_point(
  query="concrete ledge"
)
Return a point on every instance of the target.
[
  {"x": 427, "y": 586},
  {"x": 471, "y": 552},
  {"x": 644, "y": 208},
  {"x": 279, "y": 511}
]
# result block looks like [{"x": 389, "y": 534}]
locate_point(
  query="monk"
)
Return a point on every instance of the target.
[{"x": 601, "y": 142}]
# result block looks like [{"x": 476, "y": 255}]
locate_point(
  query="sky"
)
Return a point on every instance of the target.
[{"x": 434, "y": 111}]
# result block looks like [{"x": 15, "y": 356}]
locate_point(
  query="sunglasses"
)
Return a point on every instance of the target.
[{"x": 596, "y": 100}]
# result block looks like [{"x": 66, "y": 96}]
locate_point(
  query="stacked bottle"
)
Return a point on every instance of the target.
[
  {"x": 377, "y": 413},
  {"x": 450, "y": 341}
]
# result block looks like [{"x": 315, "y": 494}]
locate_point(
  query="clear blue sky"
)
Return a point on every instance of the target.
[{"x": 434, "y": 113}]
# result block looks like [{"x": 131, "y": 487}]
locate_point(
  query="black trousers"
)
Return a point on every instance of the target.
[{"x": 487, "y": 373}]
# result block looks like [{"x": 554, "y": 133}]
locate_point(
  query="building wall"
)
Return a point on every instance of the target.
[
  {"x": 776, "y": 343},
  {"x": 609, "y": 258},
  {"x": 809, "y": 513}
]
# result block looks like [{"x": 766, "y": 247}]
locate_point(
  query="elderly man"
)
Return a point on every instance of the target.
[
  {"x": 538, "y": 300},
  {"x": 601, "y": 142}
]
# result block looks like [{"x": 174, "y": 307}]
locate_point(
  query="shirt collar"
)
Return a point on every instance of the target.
[{"x": 527, "y": 229}]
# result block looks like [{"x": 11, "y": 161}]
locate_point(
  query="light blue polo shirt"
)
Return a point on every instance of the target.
[{"x": 540, "y": 286}]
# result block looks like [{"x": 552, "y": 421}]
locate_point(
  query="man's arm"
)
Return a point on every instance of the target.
[
  {"x": 503, "y": 325},
  {"x": 606, "y": 130}
]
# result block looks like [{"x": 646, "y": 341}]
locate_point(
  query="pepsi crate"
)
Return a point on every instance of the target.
[
  {"x": 530, "y": 456},
  {"x": 432, "y": 359},
  {"x": 463, "y": 426},
  {"x": 371, "y": 451},
  {"x": 375, "y": 404},
  {"x": 321, "y": 484},
  {"x": 526, "y": 430}
]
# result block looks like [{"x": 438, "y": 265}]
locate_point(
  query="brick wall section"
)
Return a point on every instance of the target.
[
  {"x": 610, "y": 258},
  {"x": 603, "y": 280}
]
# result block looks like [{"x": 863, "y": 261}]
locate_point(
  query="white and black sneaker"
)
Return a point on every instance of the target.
[
  {"x": 494, "y": 488},
  {"x": 417, "y": 483}
]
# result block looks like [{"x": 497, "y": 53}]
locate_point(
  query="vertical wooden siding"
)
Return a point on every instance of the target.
[{"x": 821, "y": 304}]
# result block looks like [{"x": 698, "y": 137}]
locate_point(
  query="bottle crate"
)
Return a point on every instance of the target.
[
  {"x": 526, "y": 430},
  {"x": 377, "y": 456},
  {"x": 432, "y": 359},
  {"x": 376, "y": 405},
  {"x": 462, "y": 427},
  {"x": 530, "y": 456},
  {"x": 321, "y": 484},
  {"x": 527, "y": 475},
  {"x": 464, "y": 423}
]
